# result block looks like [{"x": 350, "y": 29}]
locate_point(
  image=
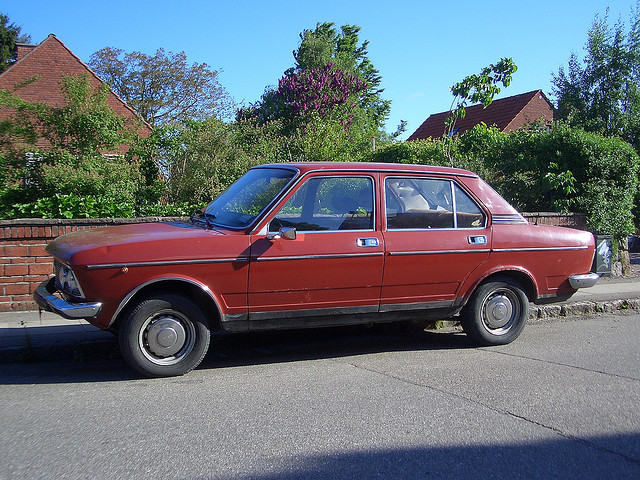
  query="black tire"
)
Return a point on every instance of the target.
[
  {"x": 496, "y": 313},
  {"x": 164, "y": 336}
]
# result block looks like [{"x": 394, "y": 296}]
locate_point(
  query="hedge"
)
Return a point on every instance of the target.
[{"x": 558, "y": 169}]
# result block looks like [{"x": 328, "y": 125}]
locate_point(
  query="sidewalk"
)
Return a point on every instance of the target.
[{"x": 29, "y": 336}]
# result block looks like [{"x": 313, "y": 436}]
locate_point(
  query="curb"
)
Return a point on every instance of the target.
[{"x": 583, "y": 308}]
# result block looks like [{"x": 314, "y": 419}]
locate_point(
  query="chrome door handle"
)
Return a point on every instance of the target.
[
  {"x": 477, "y": 240},
  {"x": 368, "y": 242}
]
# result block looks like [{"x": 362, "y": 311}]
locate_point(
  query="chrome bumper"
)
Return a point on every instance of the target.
[
  {"x": 45, "y": 298},
  {"x": 583, "y": 281}
]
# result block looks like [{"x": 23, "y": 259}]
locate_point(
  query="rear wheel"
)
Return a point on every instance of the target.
[
  {"x": 496, "y": 312},
  {"x": 164, "y": 336}
]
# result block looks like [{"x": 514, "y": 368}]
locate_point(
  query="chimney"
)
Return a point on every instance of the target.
[{"x": 23, "y": 49}]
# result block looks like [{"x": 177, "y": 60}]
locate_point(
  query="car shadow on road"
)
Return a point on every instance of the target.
[
  {"x": 300, "y": 345},
  {"x": 101, "y": 362}
]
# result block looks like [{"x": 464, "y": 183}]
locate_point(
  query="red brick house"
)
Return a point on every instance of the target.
[
  {"x": 507, "y": 114},
  {"x": 49, "y": 62}
]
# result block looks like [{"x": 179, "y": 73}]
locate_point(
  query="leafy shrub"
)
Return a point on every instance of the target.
[
  {"x": 182, "y": 209},
  {"x": 542, "y": 170},
  {"x": 565, "y": 166},
  {"x": 52, "y": 162},
  {"x": 71, "y": 206},
  {"x": 201, "y": 160},
  {"x": 110, "y": 178}
]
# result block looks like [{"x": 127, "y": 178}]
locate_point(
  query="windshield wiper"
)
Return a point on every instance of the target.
[
  {"x": 198, "y": 218},
  {"x": 209, "y": 218},
  {"x": 201, "y": 218}
]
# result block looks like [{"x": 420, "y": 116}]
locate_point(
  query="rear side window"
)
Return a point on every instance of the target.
[
  {"x": 428, "y": 203},
  {"x": 468, "y": 213}
]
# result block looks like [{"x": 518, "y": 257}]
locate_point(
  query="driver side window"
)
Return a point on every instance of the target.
[{"x": 328, "y": 204}]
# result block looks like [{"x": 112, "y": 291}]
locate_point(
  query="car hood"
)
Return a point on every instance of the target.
[{"x": 144, "y": 242}]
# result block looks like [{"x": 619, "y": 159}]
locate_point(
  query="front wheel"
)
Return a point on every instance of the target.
[
  {"x": 496, "y": 312},
  {"x": 164, "y": 336}
]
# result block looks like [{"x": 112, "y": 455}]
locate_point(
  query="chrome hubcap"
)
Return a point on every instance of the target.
[
  {"x": 499, "y": 312},
  {"x": 166, "y": 336}
]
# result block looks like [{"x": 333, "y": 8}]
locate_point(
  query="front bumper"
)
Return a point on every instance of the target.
[
  {"x": 45, "y": 298},
  {"x": 583, "y": 281}
]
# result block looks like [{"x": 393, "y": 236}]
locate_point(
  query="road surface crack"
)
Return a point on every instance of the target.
[
  {"x": 561, "y": 364},
  {"x": 499, "y": 411}
]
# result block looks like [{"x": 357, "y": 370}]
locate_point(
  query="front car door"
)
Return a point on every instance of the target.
[
  {"x": 334, "y": 265},
  {"x": 436, "y": 234}
]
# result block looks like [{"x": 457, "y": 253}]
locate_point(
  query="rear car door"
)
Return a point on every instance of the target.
[{"x": 435, "y": 234}]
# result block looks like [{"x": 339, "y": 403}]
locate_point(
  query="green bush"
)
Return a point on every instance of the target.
[
  {"x": 189, "y": 164},
  {"x": 52, "y": 163},
  {"x": 542, "y": 170},
  {"x": 563, "y": 168},
  {"x": 71, "y": 206},
  {"x": 200, "y": 160},
  {"x": 182, "y": 209}
]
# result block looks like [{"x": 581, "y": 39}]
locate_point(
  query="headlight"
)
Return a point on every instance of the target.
[{"x": 66, "y": 281}]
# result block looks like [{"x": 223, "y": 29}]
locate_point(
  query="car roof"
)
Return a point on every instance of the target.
[{"x": 305, "y": 167}]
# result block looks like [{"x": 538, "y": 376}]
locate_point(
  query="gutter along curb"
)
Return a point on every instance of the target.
[{"x": 33, "y": 343}]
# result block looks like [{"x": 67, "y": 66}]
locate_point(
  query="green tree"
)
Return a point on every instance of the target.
[
  {"x": 478, "y": 88},
  {"x": 85, "y": 124},
  {"x": 601, "y": 92},
  {"x": 332, "y": 62},
  {"x": 200, "y": 158},
  {"x": 52, "y": 157},
  {"x": 163, "y": 88},
  {"x": 325, "y": 45},
  {"x": 9, "y": 36},
  {"x": 328, "y": 106}
]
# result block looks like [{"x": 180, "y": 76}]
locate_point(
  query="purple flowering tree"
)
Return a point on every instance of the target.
[
  {"x": 323, "y": 92},
  {"x": 326, "y": 91},
  {"x": 328, "y": 106}
]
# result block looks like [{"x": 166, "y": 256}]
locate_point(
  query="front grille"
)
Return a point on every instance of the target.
[
  {"x": 56, "y": 271},
  {"x": 66, "y": 281}
]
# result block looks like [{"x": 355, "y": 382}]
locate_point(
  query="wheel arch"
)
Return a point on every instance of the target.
[
  {"x": 524, "y": 278},
  {"x": 192, "y": 289}
]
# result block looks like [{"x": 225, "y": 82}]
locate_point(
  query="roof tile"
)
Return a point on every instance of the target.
[
  {"x": 47, "y": 63},
  {"x": 507, "y": 114}
]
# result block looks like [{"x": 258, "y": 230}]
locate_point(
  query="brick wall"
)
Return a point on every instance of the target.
[
  {"x": 24, "y": 264},
  {"x": 572, "y": 220}
]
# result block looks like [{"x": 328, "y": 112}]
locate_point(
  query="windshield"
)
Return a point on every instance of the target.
[{"x": 243, "y": 201}]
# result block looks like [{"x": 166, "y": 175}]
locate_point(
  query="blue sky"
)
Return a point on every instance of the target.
[{"x": 421, "y": 48}]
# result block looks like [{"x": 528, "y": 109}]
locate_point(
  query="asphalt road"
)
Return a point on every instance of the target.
[{"x": 563, "y": 401}]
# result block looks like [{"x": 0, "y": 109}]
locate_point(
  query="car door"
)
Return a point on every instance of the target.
[
  {"x": 435, "y": 234},
  {"x": 334, "y": 265}
]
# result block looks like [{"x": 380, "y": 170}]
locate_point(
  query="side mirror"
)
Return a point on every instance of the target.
[
  {"x": 289, "y": 233},
  {"x": 285, "y": 232}
]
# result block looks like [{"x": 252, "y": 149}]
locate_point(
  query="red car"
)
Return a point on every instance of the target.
[{"x": 316, "y": 244}]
